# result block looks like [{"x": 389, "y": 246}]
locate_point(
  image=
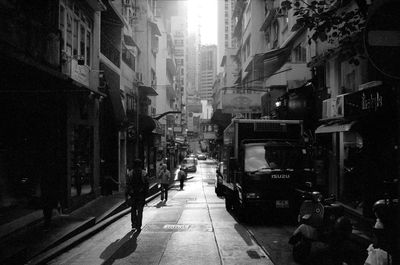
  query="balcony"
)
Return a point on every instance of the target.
[
  {"x": 110, "y": 50},
  {"x": 128, "y": 58}
]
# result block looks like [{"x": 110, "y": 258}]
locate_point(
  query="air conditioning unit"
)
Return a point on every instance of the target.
[
  {"x": 154, "y": 50},
  {"x": 138, "y": 77}
]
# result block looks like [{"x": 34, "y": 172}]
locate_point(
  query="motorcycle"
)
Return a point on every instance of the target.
[
  {"x": 317, "y": 218},
  {"x": 385, "y": 210}
]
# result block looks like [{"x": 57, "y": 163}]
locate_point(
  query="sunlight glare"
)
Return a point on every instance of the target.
[{"x": 202, "y": 15}]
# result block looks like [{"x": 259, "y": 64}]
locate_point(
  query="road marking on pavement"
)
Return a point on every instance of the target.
[
  {"x": 188, "y": 227},
  {"x": 176, "y": 227}
]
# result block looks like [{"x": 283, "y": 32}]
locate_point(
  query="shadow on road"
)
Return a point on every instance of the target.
[{"x": 120, "y": 248}]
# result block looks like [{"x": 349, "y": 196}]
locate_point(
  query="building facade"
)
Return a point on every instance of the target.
[
  {"x": 207, "y": 71},
  {"x": 51, "y": 146},
  {"x": 226, "y": 28}
]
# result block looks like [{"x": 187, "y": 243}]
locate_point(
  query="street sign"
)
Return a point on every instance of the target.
[{"x": 382, "y": 36}]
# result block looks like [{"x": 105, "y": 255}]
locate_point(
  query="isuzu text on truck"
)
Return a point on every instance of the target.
[{"x": 263, "y": 161}]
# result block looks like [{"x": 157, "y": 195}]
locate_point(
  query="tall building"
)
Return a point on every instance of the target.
[
  {"x": 226, "y": 27},
  {"x": 207, "y": 71},
  {"x": 192, "y": 62}
]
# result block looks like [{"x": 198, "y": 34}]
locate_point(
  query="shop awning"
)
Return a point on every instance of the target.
[
  {"x": 269, "y": 62},
  {"x": 335, "y": 127},
  {"x": 273, "y": 60},
  {"x": 147, "y": 90},
  {"x": 154, "y": 28}
]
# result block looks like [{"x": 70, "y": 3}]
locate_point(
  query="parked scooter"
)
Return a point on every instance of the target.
[
  {"x": 383, "y": 247},
  {"x": 318, "y": 218}
]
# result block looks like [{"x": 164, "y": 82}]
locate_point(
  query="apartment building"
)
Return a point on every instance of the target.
[
  {"x": 207, "y": 71},
  {"x": 226, "y": 28}
]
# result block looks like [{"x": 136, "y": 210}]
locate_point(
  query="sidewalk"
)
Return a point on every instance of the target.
[{"x": 25, "y": 238}]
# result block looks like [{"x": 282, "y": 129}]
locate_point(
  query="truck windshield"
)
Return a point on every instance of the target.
[{"x": 260, "y": 156}]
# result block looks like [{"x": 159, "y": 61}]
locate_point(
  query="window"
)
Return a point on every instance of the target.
[
  {"x": 88, "y": 45},
  {"x": 76, "y": 31},
  {"x": 265, "y": 157},
  {"x": 62, "y": 23},
  {"x": 82, "y": 38},
  {"x": 299, "y": 54},
  {"x": 178, "y": 42},
  {"x": 75, "y": 37},
  {"x": 179, "y": 52}
]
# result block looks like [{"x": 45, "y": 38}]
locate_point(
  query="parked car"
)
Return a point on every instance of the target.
[
  {"x": 192, "y": 156},
  {"x": 189, "y": 164},
  {"x": 201, "y": 157}
]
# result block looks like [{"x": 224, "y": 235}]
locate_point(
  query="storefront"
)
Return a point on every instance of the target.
[
  {"x": 83, "y": 157},
  {"x": 359, "y": 147}
]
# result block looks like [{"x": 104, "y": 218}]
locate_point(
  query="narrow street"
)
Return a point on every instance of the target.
[{"x": 192, "y": 227}]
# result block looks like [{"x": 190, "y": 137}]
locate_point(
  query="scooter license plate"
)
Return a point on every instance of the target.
[{"x": 282, "y": 204}]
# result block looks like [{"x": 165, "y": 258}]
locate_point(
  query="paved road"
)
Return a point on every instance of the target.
[{"x": 192, "y": 227}]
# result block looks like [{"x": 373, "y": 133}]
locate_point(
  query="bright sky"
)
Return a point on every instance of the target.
[{"x": 203, "y": 13}]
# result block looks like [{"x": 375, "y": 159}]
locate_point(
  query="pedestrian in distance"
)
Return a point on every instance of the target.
[
  {"x": 181, "y": 177},
  {"x": 164, "y": 179},
  {"x": 137, "y": 186}
]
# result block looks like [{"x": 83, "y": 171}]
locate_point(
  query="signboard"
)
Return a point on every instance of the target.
[
  {"x": 375, "y": 100},
  {"x": 241, "y": 103},
  {"x": 382, "y": 36},
  {"x": 177, "y": 129}
]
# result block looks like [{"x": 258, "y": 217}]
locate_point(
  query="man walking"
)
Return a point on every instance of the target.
[
  {"x": 181, "y": 177},
  {"x": 137, "y": 186},
  {"x": 164, "y": 179}
]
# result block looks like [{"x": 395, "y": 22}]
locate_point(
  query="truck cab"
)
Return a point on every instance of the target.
[{"x": 264, "y": 166}]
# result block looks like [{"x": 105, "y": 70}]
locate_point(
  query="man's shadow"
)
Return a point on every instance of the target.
[{"x": 119, "y": 249}]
